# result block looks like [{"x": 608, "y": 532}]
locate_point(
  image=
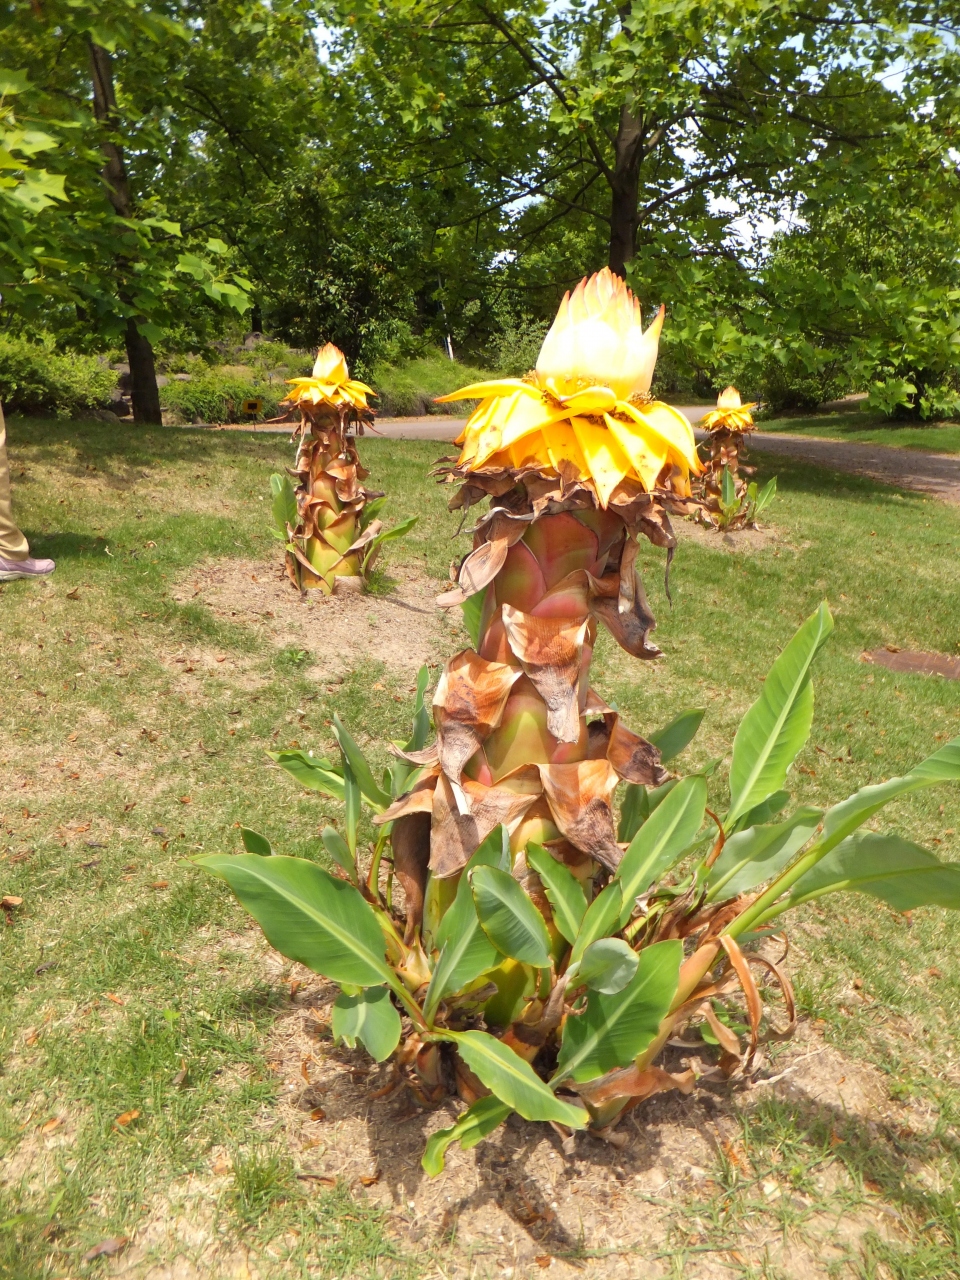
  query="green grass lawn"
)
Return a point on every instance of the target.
[
  {"x": 126, "y": 981},
  {"x": 871, "y": 428}
]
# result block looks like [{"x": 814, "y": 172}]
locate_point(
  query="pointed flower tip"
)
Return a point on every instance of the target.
[
  {"x": 331, "y": 364},
  {"x": 729, "y": 399},
  {"x": 597, "y": 338}
]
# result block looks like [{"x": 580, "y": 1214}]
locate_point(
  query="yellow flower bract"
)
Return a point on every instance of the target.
[
  {"x": 330, "y": 383},
  {"x": 730, "y": 413},
  {"x": 577, "y": 407}
]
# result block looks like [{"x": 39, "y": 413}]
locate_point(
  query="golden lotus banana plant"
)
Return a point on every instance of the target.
[
  {"x": 728, "y": 500},
  {"x": 519, "y": 937},
  {"x": 329, "y": 522},
  {"x": 578, "y": 463}
]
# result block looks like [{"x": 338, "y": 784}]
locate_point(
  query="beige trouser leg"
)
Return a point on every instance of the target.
[{"x": 13, "y": 545}]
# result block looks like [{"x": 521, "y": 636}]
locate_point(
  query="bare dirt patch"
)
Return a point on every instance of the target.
[
  {"x": 518, "y": 1206},
  {"x": 915, "y": 662},
  {"x": 749, "y": 541},
  {"x": 402, "y": 629}
]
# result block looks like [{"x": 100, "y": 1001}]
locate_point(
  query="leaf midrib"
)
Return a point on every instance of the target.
[
  {"x": 324, "y": 922},
  {"x": 760, "y": 763}
]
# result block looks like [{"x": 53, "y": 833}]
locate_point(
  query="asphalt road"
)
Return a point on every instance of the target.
[{"x": 934, "y": 473}]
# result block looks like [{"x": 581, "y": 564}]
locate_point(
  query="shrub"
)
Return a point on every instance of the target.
[
  {"x": 410, "y": 388},
  {"x": 786, "y": 383},
  {"x": 35, "y": 379},
  {"x": 216, "y": 395},
  {"x": 515, "y": 348}
]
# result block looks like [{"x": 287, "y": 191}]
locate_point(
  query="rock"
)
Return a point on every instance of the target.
[
  {"x": 162, "y": 379},
  {"x": 102, "y": 415},
  {"x": 123, "y": 367},
  {"x": 182, "y": 377}
]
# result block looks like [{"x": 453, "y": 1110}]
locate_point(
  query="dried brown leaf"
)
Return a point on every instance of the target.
[
  {"x": 419, "y": 799},
  {"x": 107, "y": 1248},
  {"x": 410, "y": 839},
  {"x": 751, "y": 994},
  {"x": 468, "y": 705},
  {"x": 454, "y": 837},
  {"x": 579, "y": 796},
  {"x": 631, "y": 630},
  {"x": 551, "y": 653},
  {"x": 634, "y": 1082}
]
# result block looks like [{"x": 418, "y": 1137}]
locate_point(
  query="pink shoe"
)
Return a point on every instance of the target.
[{"x": 29, "y": 568}]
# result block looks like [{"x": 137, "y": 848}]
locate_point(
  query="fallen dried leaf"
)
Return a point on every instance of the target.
[
  {"x": 115, "y": 999},
  {"x": 10, "y": 901},
  {"x": 934, "y": 972},
  {"x": 160, "y": 884},
  {"x": 43, "y": 968},
  {"x": 370, "y": 1179},
  {"x": 221, "y": 1165},
  {"x": 107, "y": 1248},
  {"x": 50, "y": 1125},
  {"x": 30, "y": 1036},
  {"x": 72, "y": 737},
  {"x": 186, "y": 800},
  {"x": 127, "y": 1117},
  {"x": 543, "y": 1260},
  {"x": 317, "y": 1177},
  {"x": 74, "y": 594},
  {"x": 318, "y": 1113},
  {"x": 181, "y": 1077}
]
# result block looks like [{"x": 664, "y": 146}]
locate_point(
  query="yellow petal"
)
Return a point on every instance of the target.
[
  {"x": 646, "y": 450},
  {"x": 512, "y": 419},
  {"x": 482, "y": 390},
  {"x": 671, "y": 426},
  {"x": 590, "y": 400},
  {"x": 331, "y": 364},
  {"x": 560, "y": 444},
  {"x": 641, "y": 357},
  {"x": 606, "y": 463},
  {"x": 729, "y": 399}
]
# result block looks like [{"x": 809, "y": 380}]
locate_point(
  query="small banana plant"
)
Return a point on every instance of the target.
[
  {"x": 523, "y": 988},
  {"x": 727, "y": 500},
  {"x": 740, "y": 505},
  {"x": 360, "y": 555}
]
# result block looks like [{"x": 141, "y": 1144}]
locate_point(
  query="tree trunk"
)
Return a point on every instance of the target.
[
  {"x": 143, "y": 373},
  {"x": 144, "y": 392},
  {"x": 624, "y": 189}
]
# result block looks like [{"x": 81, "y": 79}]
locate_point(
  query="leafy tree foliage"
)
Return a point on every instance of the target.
[{"x": 389, "y": 174}]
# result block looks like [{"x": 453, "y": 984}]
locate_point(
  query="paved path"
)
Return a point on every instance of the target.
[{"x": 933, "y": 473}]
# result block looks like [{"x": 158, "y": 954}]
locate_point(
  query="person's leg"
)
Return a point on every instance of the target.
[{"x": 15, "y": 558}]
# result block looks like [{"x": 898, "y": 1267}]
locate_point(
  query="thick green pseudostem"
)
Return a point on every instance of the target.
[{"x": 330, "y": 498}]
